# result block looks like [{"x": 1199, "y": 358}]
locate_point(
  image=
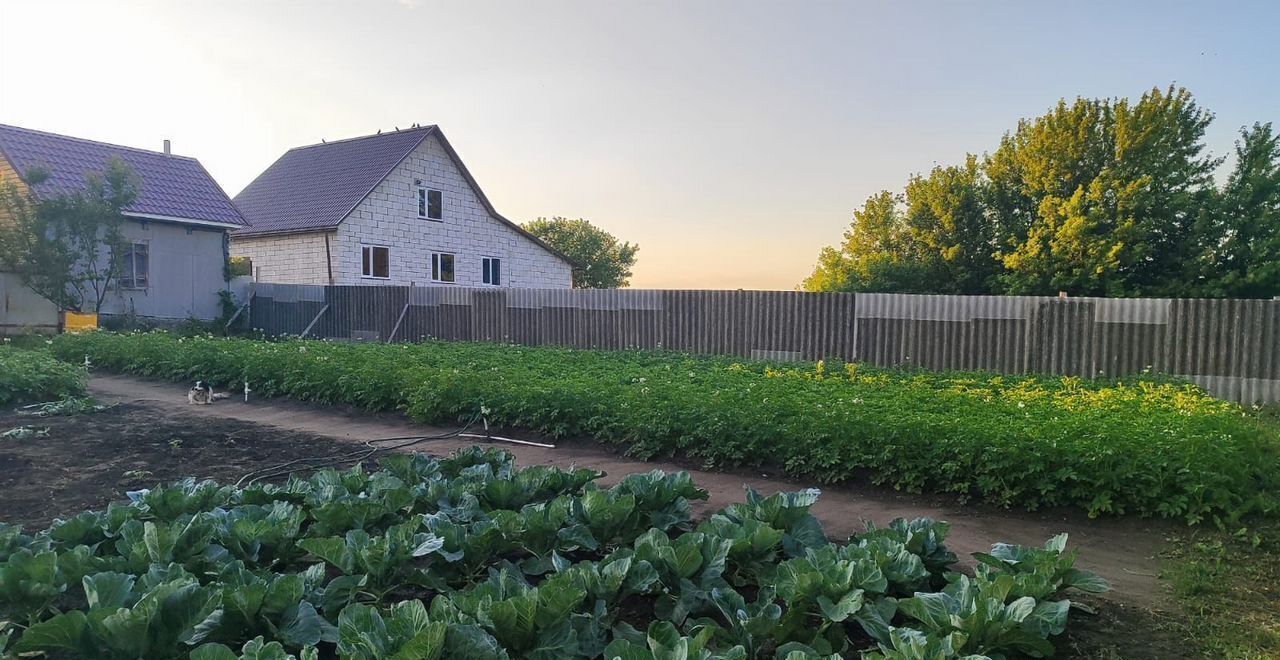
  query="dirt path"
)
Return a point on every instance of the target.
[{"x": 1121, "y": 550}]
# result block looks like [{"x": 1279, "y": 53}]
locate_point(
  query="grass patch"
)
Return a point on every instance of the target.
[
  {"x": 1228, "y": 586},
  {"x": 1142, "y": 447}
]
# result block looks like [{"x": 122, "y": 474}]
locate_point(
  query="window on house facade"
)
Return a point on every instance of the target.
[
  {"x": 491, "y": 271},
  {"x": 430, "y": 204},
  {"x": 135, "y": 272},
  {"x": 441, "y": 267},
  {"x": 375, "y": 261}
]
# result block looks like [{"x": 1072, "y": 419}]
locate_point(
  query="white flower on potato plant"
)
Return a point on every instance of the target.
[{"x": 1022, "y": 404}]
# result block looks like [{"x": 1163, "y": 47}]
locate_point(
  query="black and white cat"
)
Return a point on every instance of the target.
[{"x": 202, "y": 394}]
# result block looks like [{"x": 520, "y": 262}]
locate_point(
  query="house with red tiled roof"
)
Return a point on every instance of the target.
[
  {"x": 398, "y": 207},
  {"x": 177, "y": 227}
]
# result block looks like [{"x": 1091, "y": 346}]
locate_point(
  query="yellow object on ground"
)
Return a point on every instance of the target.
[{"x": 78, "y": 322}]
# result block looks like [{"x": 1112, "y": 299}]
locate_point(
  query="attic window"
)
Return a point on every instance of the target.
[{"x": 430, "y": 204}]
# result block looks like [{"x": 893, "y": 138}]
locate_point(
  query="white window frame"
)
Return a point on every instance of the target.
[
  {"x": 436, "y": 270},
  {"x": 369, "y": 248},
  {"x": 486, "y": 273},
  {"x": 423, "y": 200},
  {"x": 131, "y": 256}
]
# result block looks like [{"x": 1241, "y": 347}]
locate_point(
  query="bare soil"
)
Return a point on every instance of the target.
[
  {"x": 153, "y": 435},
  {"x": 90, "y": 460}
]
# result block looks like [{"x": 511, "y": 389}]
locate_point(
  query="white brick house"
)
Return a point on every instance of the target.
[{"x": 394, "y": 208}]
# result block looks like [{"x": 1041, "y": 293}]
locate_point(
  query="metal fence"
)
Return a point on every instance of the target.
[{"x": 1230, "y": 347}]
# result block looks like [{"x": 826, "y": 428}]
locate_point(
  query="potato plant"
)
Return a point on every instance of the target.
[
  {"x": 35, "y": 375},
  {"x": 1144, "y": 446},
  {"x": 470, "y": 556}
]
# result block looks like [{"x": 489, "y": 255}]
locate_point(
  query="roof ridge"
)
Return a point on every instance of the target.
[
  {"x": 97, "y": 142},
  {"x": 326, "y": 143}
]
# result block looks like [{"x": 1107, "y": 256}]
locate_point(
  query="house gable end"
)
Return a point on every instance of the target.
[{"x": 470, "y": 229}]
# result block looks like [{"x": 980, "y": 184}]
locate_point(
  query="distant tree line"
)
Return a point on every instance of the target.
[{"x": 1104, "y": 197}]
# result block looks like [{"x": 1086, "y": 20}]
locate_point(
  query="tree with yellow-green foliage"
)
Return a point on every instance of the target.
[{"x": 1096, "y": 197}]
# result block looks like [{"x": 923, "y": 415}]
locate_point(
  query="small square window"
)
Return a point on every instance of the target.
[
  {"x": 136, "y": 267},
  {"x": 430, "y": 204},
  {"x": 491, "y": 271},
  {"x": 375, "y": 261},
  {"x": 441, "y": 267}
]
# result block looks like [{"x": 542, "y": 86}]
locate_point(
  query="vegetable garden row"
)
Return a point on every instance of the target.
[
  {"x": 1143, "y": 446},
  {"x": 470, "y": 557},
  {"x": 36, "y": 376}
]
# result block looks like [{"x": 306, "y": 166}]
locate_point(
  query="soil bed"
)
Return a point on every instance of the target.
[{"x": 92, "y": 459}]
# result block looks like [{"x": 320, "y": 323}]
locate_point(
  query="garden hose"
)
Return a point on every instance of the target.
[{"x": 356, "y": 456}]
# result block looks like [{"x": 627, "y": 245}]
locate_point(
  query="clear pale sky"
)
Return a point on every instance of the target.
[{"x": 731, "y": 140}]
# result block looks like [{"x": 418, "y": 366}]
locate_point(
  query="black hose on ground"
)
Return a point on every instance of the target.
[{"x": 357, "y": 456}]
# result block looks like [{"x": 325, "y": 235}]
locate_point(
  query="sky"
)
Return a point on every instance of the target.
[{"x": 730, "y": 140}]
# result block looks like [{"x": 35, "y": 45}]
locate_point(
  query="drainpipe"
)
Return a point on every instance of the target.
[{"x": 328, "y": 258}]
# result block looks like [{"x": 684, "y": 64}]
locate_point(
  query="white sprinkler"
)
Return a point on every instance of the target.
[{"x": 246, "y": 391}]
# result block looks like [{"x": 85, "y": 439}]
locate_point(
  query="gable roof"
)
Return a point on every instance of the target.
[
  {"x": 174, "y": 188},
  {"x": 314, "y": 188}
]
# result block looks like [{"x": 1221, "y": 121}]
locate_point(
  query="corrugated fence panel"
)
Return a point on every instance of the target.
[{"x": 1231, "y": 347}]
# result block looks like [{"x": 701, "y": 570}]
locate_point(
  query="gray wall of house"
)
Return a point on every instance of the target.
[
  {"x": 186, "y": 272},
  {"x": 22, "y": 311}
]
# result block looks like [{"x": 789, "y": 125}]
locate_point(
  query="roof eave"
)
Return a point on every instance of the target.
[
  {"x": 180, "y": 220},
  {"x": 248, "y": 232},
  {"x": 244, "y": 222}
]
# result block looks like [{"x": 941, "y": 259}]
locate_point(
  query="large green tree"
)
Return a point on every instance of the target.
[
  {"x": 1096, "y": 197},
  {"x": 935, "y": 238},
  {"x": 947, "y": 222},
  {"x": 1117, "y": 189},
  {"x": 69, "y": 247},
  {"x": 1241, "y": 241},
  {"x": 600, "y": 260},
  {"x": 878, "y": 254}
]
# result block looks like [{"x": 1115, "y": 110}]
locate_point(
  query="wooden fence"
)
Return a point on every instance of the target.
[{"x": 1230, "y": 347}]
